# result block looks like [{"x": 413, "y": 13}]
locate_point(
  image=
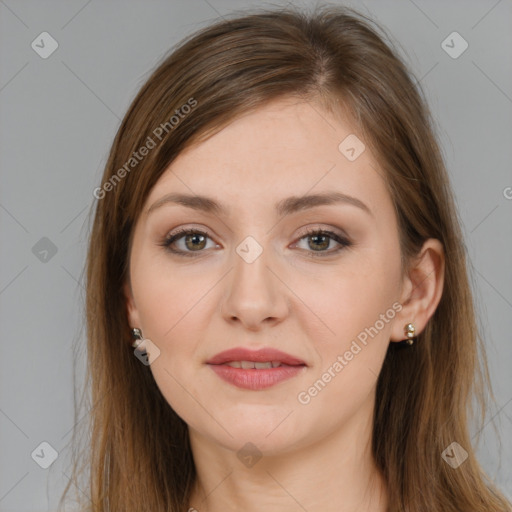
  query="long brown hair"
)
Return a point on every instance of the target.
[{"x": 138, "y": 455}]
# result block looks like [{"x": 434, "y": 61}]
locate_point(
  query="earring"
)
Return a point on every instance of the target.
[
  {"x": 137, "y": 334},
  {"x": 409, "y": 331}
]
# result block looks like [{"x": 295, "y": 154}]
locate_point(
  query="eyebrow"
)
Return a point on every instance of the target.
[{"x": 284, "y": 207}]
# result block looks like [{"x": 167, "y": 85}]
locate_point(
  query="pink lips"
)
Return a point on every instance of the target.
[{"x": 252, "y": 378}]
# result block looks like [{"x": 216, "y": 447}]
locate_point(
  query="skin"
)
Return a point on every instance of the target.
[{"x": 313, "y": 308}]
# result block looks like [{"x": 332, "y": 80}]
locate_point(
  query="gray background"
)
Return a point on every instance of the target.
[{"x": 58, "y": 117}]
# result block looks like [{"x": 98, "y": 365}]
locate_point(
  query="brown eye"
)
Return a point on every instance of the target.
[
  {"x": 193, "y": 241},
  {"x": 188, "y": 241},
  {"x": 319, "y": 241}
]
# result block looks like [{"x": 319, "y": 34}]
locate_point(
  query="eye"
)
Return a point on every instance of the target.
[
  {"x": 320, "y": 239},
  {"x": 194, "y": 240}
]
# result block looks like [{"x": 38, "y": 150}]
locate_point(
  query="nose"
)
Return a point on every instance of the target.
[{"x": 255, "y": 294}]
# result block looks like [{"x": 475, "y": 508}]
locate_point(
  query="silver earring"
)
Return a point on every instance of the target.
[{"x": 137, "y": 334}]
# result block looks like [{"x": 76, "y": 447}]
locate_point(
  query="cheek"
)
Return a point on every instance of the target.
[
  {"x": 352, "y": 297},
  {"x": 168, "y": 297},
  {"x": 172, "y": 306},
  {"x": 359, "y": 311},
  {"x": 176, "y": 309}
]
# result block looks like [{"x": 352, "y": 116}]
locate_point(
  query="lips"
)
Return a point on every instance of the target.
[
  {"x": 255, "y": 370},
  {"x": 264, "y": 355}
]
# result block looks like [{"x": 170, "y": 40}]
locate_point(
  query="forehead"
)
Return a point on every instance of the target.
[{"x": 286, "y": 147}]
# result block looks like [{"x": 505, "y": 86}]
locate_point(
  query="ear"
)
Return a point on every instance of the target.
[
  {"x": 131, "y": 309},
  {"x": 422, "y": 289}
]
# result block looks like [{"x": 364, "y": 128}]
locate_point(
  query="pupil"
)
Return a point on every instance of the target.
[
  {"x": 194, "y": 237},
  {"x": 324, "y": 245}
]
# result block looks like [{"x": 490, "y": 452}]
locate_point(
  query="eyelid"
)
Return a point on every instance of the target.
[
  {"x": 317, "y": 228},
  {"x": 306, "y": 231}
]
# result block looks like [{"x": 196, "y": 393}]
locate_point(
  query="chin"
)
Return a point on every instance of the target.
[{"x": 261, "y": 433}]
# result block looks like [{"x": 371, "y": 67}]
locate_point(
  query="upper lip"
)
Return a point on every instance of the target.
[{"x": 258, "y": 356}]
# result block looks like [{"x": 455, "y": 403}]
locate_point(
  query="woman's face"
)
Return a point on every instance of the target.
[{"x": 251, "y": 276}]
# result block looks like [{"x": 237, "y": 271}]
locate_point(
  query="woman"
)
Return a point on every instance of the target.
[{"x": 279, "y": 313}]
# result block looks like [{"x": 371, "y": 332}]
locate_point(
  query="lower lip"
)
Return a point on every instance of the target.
[{"x": 255, "y": 379}]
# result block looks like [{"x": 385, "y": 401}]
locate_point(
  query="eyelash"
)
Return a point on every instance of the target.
[{"x": 344, "y": 242}]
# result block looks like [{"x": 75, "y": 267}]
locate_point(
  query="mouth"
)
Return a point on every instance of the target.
[
  {"x": 255, "y": 370},
  {"x": 247, "y": 365},
  {"x": 267, "y": 356}
]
